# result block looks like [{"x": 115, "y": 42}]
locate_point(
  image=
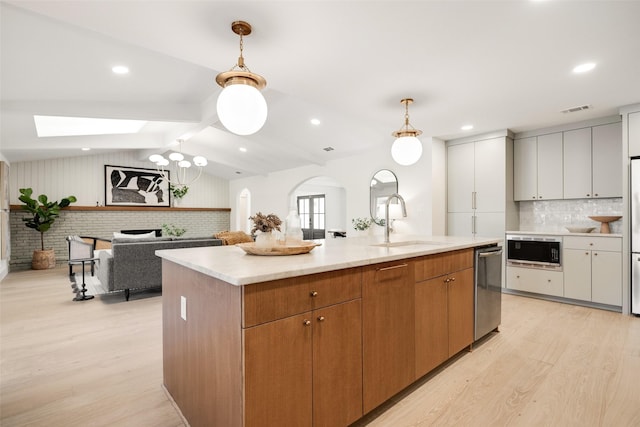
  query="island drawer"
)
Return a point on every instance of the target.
[
  {"x": 436, "y": 265},
  {"x": 267, "y": 301}
]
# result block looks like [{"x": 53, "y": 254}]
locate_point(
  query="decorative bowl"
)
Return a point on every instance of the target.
[
  {"x": 277, "y": 249},
  {"x": 580, "y": 229}
]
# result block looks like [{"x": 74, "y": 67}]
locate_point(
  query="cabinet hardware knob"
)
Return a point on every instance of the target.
[
  {"x": 313, "y": 293},
  {"x": 595, "y": 254},
  {"x": 549, "y": 280},
  {"x": 447, "y": 280},
  {"x": 590, "y": 244},
  {"x": 596, "y": 195},
  {"x": 586, "y": 253},
  {"x": 534, "y": 197},
  {"x": 453, "y": 279},
  {"x": 539, "y": 197},
  {"x": 588, "y": 195},
  {"x": 517, "y": 277},
  {"x": 306, "y": 322},
  {"x": 321, "y": 319}
]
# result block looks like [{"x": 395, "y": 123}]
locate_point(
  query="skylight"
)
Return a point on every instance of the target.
[{"x": 76, "y": 126}]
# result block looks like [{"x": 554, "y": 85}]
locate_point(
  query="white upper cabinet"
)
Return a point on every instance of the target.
[
  {"x": 537, "y": 163},
  {"x": 577, "y": 164},
  {"x": 460, "y": 177},
  {"x": 550, "y": 166},
  {"x": 476, "y": 186},
  {"x": 525, "y": 175},
  {"x": 593, "y": 162},
  {"x": 607, "y": 160},
  {"x": 490, "y": 175},
  {"x": 633, "y": 120},
  {"x": 581, "y": 163}
]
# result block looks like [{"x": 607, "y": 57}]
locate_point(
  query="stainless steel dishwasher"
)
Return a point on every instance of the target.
[{"x": 488, "y": 290}]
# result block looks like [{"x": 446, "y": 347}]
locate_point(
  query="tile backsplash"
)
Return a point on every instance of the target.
[{"x": 554, "y": 215}]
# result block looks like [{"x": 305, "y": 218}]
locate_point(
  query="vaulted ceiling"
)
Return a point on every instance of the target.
[{"x": 496, "y": 65}]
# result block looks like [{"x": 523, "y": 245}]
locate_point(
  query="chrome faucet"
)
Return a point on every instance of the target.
[{"x": 386, "y": 213}]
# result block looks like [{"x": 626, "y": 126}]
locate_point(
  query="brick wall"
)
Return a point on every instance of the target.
[{"x": 102, "y": 224}]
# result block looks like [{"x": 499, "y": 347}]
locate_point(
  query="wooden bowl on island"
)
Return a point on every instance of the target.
[{"x": 605, "y": 220}]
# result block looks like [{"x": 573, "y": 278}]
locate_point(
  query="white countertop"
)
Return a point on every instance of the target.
[
  {"x": 231, "y": 264},
  {"x": 561, "y": 233}
]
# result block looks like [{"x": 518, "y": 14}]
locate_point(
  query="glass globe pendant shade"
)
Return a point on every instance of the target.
[
  {"x": 406, "y": 150},
  {"x": 242, "y": 109}
]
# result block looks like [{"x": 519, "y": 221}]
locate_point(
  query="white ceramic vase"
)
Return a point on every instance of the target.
[{"x": 265, "y": 240}]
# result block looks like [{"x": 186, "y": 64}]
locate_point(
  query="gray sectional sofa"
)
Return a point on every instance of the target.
[{"x": 133, "y": 264}]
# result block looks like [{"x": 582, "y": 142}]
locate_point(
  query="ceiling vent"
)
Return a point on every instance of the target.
[
  {"x": 576, "y": 109},
  {"x": 328, "y": 148}
]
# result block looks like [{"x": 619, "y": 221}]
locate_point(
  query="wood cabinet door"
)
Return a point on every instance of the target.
[
  {"x": 525, "y": 172},
  {"x": 577, "y": 274},
  {"x": 460, "y": 310},
  {"x": 577, "y": 163},
  {"x": 550, "y": 166},
  {"x": 388, "y": 329},
  {"x": 278, "y": 372},
  {"x": 337, "y": 364},
  {"x": 607, "y": 160},
  {"x": 606, "y": 277},
  {"x": 432, "y": 324}
]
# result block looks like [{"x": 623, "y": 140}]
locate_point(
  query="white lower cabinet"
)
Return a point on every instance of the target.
[
  {"x": 546, "y": 282},
  {"x": 593, "y": 269}
]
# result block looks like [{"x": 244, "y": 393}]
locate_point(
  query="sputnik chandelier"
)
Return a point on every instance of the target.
[
  {"x": 241, "y": 107},
  {"x": 407, "y": 148},
  {"x": 183, "y": 176}
]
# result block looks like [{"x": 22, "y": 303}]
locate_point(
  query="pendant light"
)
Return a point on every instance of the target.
[
  {"x": 180, "y": 167},
  {"x": 241, "y": 107},
  {"x": 407, "y": 148}
]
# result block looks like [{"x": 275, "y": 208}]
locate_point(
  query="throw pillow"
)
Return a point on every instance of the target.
[
  {"x": 233, "y": 237},
  {"x": 148, "y": 235}
]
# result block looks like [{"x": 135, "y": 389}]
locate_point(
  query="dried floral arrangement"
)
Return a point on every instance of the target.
[
  {"x": 265, "y": 223},
  {"x": 361, "y": 224}
]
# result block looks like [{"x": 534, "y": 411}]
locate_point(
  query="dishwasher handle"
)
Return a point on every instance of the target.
[{"x": 488, "y": 253}]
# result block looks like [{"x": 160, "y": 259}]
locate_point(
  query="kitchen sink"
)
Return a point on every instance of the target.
[{"x": 408, "y": 243}]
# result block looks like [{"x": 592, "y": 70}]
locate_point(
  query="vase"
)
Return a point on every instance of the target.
[
  {"x": 265, "y": 240},
  {"x": 43, "y": 260}
]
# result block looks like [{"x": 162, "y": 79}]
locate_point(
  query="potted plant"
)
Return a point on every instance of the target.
[
  {"x": 361, "y": 225},
  {"x": 265, "y": 224},
  {"x": 178, "y": 191},
  {"x": 43, "y": 215}
]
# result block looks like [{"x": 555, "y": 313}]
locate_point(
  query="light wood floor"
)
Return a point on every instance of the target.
[{"x": 99, "y": 363}]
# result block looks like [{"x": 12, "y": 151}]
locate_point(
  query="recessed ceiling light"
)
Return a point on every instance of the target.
[
  {"x": 86, "y": 149},
  {"x": 244, "y": 150},
  {"x": 467, "y": 127},
  {"x": 583, "y": 68},
  {"x": 120, "y": 69},
  {"x": 315, "y": 122},
  {"x": 75, "y": 126}
]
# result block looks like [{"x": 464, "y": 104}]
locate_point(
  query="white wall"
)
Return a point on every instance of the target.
[
  {"x": 84, "y": 177},
  {"x": 269, "y": 194}
]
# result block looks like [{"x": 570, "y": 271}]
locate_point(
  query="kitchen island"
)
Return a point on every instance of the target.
[{"x": 315, "y": 339}]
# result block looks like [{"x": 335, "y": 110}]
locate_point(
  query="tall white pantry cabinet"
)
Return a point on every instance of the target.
[{"x": 480, "y": 185}]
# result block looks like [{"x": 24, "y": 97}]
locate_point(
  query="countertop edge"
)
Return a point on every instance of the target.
[{"x": 185, "y": 258}]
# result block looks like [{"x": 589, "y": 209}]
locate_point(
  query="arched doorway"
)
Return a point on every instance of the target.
[
  {"x": 321, "y": 203},
  {"x": 243, "y": 208}
]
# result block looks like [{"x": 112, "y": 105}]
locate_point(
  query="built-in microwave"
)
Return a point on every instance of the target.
[{"x": 534, "y": 251}]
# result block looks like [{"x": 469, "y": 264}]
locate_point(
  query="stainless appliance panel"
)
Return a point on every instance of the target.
[
  {"x": 635, "y": 205},
  {"x": 635, "y": 284},
  {"x": 488, "y": 290},
  {"x": 635, "y": 235}
]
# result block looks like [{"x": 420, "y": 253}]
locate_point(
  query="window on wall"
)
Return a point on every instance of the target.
[{"x": 311, "y": 210}]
